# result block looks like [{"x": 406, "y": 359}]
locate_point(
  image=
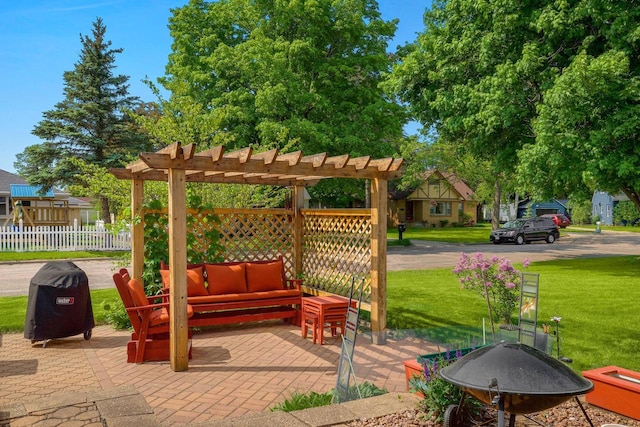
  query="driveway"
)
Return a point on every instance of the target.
[{"x": 15, "y": 277}]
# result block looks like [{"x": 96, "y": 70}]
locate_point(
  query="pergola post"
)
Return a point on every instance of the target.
[
  {"x": 137, "y": 229},
  {"x": 298, "y": 204},
  {"x": 378, "y": 260},
  {"x": 178, "y": 321},
  {"x": 178, "y": 164}
]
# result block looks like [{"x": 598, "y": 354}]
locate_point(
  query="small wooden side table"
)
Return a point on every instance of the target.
[{"x": 330, "y": 309}]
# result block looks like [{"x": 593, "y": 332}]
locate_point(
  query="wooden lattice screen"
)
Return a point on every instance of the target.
[
  {"x": 336, "y": 244},
  {"x": 336, "y": 247},
  {"x": 257, "y": 234},
  {"x": 245, "y": 234}
]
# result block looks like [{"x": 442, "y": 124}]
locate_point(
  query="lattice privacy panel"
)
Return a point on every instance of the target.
[
  {"x": 257, "y": 234},
  {"x": 336, "y": 248},
  {"x": 336, "y": 244}
]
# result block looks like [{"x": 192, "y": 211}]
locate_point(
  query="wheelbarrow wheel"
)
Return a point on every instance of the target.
[
  {"x": 452, "y": 417},
  {"x": 87, "y": 334}
]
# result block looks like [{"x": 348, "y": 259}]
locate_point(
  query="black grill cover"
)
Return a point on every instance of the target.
[{"x": 59, "y": 302}]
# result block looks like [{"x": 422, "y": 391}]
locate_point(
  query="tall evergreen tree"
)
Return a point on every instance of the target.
[{"x": 91, "y": 123}]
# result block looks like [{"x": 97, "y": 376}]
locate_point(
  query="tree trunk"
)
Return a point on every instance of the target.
[
  {"x": 367, "y": 193},
  {"x": 106, "y": 214},
  {"x": 495, "y": 212}
]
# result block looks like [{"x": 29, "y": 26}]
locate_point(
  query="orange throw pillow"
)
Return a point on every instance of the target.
[
  {"x": 264, "y": 276},
  {"x": 195, "y": 282},
  {"x": 137, "y": 293},
  {"x": 226, "y": 279}
]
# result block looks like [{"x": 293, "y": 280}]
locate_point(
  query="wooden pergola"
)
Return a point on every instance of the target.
[{"x": 178, "y": 164}]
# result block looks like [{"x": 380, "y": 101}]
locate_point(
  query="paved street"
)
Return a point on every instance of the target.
[
  {"x": 424, "y": 254},
  {"x": 15, "y": 277}
]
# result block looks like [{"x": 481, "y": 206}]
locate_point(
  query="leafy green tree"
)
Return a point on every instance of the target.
[
  {"x": 580, "y": 211},
  {"x": 625, "y": 212},
  {"x": 98, "y": 183},
  {"x": 91, "y": 123},
  {"x": 470, "y": 77},
  {"x": 588, "y": 121},
  {"x": 546, "y": 91},
  {"x": 292, "y": 75}
]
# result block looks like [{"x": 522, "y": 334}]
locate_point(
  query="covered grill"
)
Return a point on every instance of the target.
[
  {"x": 59, "y": 303},
  {"x": 517, "y": 378}
]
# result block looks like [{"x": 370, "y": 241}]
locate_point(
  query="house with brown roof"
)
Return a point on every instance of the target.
[{"x": 442, "y": 199}]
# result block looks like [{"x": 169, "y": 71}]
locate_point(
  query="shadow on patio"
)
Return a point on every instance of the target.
[{"x": 235, "y": 370}]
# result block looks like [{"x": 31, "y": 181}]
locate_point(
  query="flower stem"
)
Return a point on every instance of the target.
[{"x": 486, "y": 295}]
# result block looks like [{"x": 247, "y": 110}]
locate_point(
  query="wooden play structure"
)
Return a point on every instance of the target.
[
  {"x": 326, "y": 247},
  {"x": 36, "y": 209}
]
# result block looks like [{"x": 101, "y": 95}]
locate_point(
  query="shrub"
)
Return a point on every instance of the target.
[
  {"x": 495, "y": 279},
  {"x": 438, "y": 393},
  {"x": 116, "y": 315},
  {"x": 625, "y": 213},
  {"x": 298, "y": 401}
]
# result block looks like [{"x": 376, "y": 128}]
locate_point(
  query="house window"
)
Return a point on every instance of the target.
[
  {"x": 608, "y": 211},
  {"x": 440, "y": 208},
  {"x": 3, "y": 206}
]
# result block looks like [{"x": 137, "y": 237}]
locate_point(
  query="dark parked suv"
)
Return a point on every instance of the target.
[{"x": 521, "y": 231}]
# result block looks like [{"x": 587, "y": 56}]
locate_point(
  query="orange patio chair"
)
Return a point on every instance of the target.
[{"x": 149, "y": 319}]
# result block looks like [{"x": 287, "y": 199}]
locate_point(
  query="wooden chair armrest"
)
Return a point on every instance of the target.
[
  {"x": 147, "y": 307},
  {"x": 294, "y": 284},
  {"x": 164, "y": 295}
]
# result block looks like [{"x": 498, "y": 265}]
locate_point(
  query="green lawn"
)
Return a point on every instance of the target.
[
  {"x": 29, "y": 256},
  {"x": 597, "y": 299},
  {"x": 475, "y": 234},
  {"x": 14, "y": 309},
  {"x": 604, "y": 228}
]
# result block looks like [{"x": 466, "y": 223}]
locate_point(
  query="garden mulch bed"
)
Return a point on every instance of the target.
[{"x": 566, "y": 415}]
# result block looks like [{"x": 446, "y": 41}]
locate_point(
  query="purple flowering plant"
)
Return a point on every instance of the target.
[
  {"x": 438, "y": 393},
  {"x": 497, "y": 281}
]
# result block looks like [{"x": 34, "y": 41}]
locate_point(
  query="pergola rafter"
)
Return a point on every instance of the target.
[
  {"x": 268, "y": 168},
  {"x": 178, "y": 164}
]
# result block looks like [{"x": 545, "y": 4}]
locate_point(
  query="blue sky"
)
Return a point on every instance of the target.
[{"x": 40, "y": 40}]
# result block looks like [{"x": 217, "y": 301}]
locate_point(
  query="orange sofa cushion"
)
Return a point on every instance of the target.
[
  {"x": 226, "y": 278},
  {"x": 264, "y": 276},
  {"x": 195, "y": 282},
  {"x": 158, "y": 317}
]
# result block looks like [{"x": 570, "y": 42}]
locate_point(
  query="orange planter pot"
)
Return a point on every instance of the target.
[
  {"x": 616, "y": 389},
  {"x": 411, "y": 368}
]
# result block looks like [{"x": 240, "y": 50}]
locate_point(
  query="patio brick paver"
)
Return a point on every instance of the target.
[{"x": 235, "y": 370}]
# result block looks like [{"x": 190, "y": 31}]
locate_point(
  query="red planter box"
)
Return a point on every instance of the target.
[
  {"x": 615, "y": 389},
  {"x": 411, "y": 368}
]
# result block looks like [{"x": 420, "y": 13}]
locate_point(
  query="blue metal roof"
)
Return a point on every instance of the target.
[{"x": 24, "y": 191}]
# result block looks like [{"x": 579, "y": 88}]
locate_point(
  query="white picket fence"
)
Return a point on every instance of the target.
[{"x": 62, "y": 238}]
